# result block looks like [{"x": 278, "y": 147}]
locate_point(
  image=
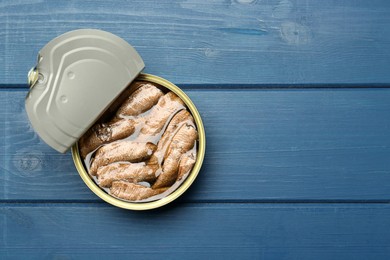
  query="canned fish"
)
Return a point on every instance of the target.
[
  {"x": 137, "y": 140},
  {"x": 129, "y": 180}
]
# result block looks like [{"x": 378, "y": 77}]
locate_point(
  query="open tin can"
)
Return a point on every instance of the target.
[{"x": 78, "y": 77}]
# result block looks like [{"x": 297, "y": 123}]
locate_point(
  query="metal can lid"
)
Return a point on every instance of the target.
[{"x": 78, "y": 75}]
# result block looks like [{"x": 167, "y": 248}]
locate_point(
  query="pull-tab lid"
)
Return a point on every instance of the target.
[{"x": 78, "y": 75}]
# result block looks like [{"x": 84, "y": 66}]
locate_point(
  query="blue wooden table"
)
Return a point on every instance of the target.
[{"x": 295, "y": 98}]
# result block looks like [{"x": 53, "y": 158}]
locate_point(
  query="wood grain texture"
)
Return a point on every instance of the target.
[
  {"x": 216, "y": 42},
  {"x": 299, "y": 173},
  {"x": 207, "y": 231},
  {"x": 262, "y": 145}
]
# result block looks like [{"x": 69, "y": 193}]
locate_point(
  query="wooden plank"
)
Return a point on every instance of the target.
[
  {"x": 261, "y": 145},
  {"x": 212, "y": 231},
  {"x": 216, "y": 42},
  {"x": 3, "y": 175}
]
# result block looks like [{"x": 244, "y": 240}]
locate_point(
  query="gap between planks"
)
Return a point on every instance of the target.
[
  {"x": 21, "y": 203},
  {"x": 201, "y": 87}
]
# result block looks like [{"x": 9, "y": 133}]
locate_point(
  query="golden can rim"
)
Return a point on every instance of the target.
[{"x": 187, "y": 182}]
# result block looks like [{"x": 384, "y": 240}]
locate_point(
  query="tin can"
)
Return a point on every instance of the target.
[
  {"x": 201, "y": 148},
  {"x": 72, "y": 68}
]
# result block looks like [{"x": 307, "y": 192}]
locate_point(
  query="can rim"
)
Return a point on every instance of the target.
[{"x": 187, "y": 182}]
